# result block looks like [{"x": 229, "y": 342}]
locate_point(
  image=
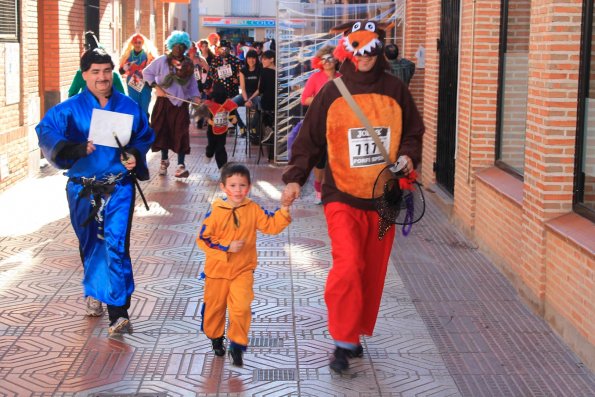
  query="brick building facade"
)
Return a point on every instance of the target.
[
  {"x": 44, "y": 56},
  {"x": 517, "y": 127},
  {"x": 515, "y": 158}
]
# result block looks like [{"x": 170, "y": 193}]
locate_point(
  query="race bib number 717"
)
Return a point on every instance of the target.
[{"x": 363, "y": 151}]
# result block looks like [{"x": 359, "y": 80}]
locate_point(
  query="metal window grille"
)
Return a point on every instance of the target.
[{"x": 9, "y": 20}]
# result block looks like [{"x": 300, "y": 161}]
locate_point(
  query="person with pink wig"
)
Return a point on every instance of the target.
[{"x": 138, "y": 53}]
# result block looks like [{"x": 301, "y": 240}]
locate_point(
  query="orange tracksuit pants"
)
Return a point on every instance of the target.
[
  {"x": 355, "y": 282},
  {"x": 234, "y": 296}
]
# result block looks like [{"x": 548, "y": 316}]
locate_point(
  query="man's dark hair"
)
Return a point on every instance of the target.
[
  {"x": 391, "y": 51},
  {"x": 96, "y": 55},
  {"x": 269, "y": 54},
  {"x": 231, "y": 169}
]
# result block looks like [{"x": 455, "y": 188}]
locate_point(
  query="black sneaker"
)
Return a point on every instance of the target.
[
  {"x": 357, "y": 353},
  {"x": 218, "y": 346},
  {"x": 236, "y": 357},
  {"x": 340, "y": 362}
]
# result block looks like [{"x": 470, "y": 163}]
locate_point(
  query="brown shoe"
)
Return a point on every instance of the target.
[
  {"x": 182, "y": 172},
  {"x": 121, "y": 326},
  {"x": 94, "y": 307}
]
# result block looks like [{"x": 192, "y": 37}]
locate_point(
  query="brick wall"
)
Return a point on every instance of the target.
[
  {"x": 551, "y": 127},
  {"x": 507, "y": 217},
  {"x": 497, "y": 228},
  {"x": 569, "y": 291},
  {"x": 17, "y": 143},
  {"x": 478, "y": 82},
  {"x": 415, "y": 36},
  {"x": 161, "y": 28},
  {"x": 430, "y": 101},
  {"x": 145, "y": 17},
  {"x": 12, "y": 143}
]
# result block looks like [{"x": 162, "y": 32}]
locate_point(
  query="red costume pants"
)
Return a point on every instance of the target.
[
  {"x": 356, "y": 280},
  {"x": 234, "y": 296}
]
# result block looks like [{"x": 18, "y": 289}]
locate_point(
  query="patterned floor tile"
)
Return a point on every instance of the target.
[{"x": 449, "y": 323}]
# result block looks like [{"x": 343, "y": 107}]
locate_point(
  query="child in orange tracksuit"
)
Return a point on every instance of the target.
[{"x": 228, "y": 238}]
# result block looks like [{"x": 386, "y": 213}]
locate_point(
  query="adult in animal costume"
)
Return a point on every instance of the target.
[
  {"x": 172, "y": 76},
  {"x": 138, "y": 53},
  {"x": 355, "y": 281}
]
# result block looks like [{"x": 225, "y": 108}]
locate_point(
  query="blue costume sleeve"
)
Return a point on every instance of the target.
[
  {"x": 140, "y": 142},
  {"x": 53, "y": 136}
]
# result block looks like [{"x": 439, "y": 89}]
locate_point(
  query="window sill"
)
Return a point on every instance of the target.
[
  {"x": 572, "y": 226},
  {"x": 504, "y": 183},
  {"x": 576, "y": 229}
]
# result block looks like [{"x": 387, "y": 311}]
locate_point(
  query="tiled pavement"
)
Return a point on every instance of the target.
[{"x": 450, "y": 324}]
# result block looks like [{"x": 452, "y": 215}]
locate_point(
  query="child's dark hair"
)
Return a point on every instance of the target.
[
  {"x": 391, "y": 51},
  {"x": 219, "y": 94},
  {"x": 96, "y": 55},
  {"x": 231, "y": 169}
]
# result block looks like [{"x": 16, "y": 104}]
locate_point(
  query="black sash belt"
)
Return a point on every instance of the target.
[{"x": 95, "y": 190}]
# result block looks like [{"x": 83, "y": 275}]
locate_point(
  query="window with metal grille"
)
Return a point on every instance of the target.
[{"x": 9, "y": 20}]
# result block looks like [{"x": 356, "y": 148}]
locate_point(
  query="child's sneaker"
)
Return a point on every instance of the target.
[
  {"x": 340, "y": 362},
  {"x": 94, "y": 307},
  {"x": 121, "y": 326},
  {"x": 182, "y": 172},
  {"x": 236, "y": 357},
  {"x": 218, "y": 346},
  {"x": 163, "y": 167}
]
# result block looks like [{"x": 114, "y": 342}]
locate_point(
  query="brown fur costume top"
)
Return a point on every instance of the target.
[{"x": 330, "y": 124}]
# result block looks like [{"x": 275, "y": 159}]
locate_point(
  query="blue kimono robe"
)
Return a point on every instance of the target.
[{"x": 103, "y": 237}]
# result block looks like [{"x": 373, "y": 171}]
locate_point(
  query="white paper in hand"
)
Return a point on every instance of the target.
[{"x": 105, "y": 123}]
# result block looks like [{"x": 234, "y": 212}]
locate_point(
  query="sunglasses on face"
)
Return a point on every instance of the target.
[{"x": 327, "y": 59}]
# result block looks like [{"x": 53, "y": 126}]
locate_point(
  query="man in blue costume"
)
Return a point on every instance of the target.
[{"x": 100, "y": 188}]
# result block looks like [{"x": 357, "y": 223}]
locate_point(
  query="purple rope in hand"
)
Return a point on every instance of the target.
[{"x": 407, "y": 224}]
